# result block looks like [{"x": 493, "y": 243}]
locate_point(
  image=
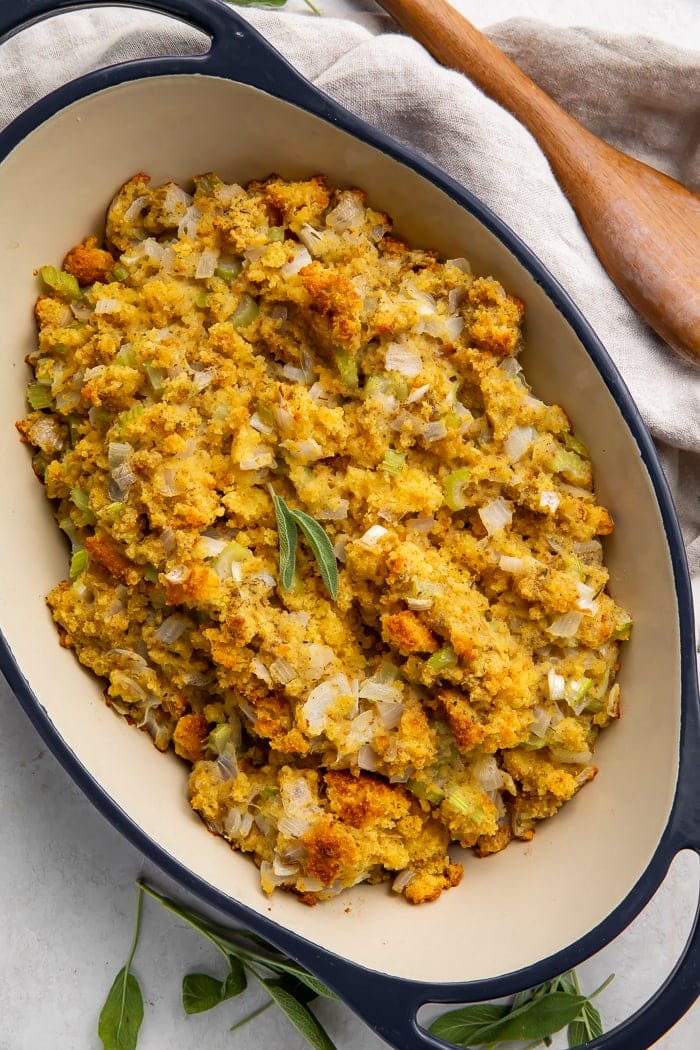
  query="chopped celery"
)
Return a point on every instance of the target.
[
  {"x": 581, "y": 692},
  {"x": 574, "y": 564},
  {"x": 112, "y": 511},
  {"x": 81, "y": 500},
  {"x": 386, "y": 386},
  {"x": 156, "y": 378},
  {"x": 59, "y": 281},
  {"x": 119, "y": 273},
  {"x": 455, "y": 484},
  {"x": 347, "y": 366},
  {"x": 245, "y": 313},
  {"x": 202, "y": 300},
  {"x": 101, "y": 416},
  {"x": 232, "y": 552},
  {"x": 66, "y": 524},
  {"x": 269, "y": 792},
  {"x": 228, "y": 269},
  {"x": 74, "y": 422},
  {"x": 219, "y": 738},
  {"x": 427, "y": 792},
  {"x": 457, "y": 799},
  {"x": 79, "y": 563},
  {"x": 572, "y": 467},
  {"x": 393, "y": 462},
  {"x": 443, "y": 659},
  {"x": 574, "y": 445},
  {"x": 39, "y": 396},
  {"x": 39, "y": 465},
  {"x": 43, "y": 370},
  {"x": 452, "y": 421},
  {"x": 150, "y": 574},
  {"x": 265, "y": 414},
  {"x": 207, "y": 183},
  {"x": 130, "y": 416},
  {"x": 275, "y": 233},
  {"x": 621, "y": 631},
  {"x": 126, "y": 356}
]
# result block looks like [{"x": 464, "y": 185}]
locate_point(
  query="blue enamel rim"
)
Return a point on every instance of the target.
[{"x": 389, "y": 1004}]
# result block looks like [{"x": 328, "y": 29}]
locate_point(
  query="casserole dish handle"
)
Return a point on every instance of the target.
[{"x": 237, "y": 52}]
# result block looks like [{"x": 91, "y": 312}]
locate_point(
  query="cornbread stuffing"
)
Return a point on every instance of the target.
[{"x": 227, "y": 345}]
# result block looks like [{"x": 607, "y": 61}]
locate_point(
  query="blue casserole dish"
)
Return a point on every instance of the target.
[{"x": 247, "y": 113}]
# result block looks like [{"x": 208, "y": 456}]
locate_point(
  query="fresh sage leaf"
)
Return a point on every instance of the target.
[
  {"x": 201, "y": 991},
  {"x": 586, "y": 1027},
  {"x": 542, "y": 1017},
  {"x": 236, "y": 980},
  {"x": 121, "y": 1016},
  {"x": 321, "y": 547},
  {"x": 301, "y": 1017},
  {"x": 122, "y": 1013},
  {"x": 464, "y": 1026},
  {"x": 287, "y": 532}
]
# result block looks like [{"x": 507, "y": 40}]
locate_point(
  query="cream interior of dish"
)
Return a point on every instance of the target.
[{"x": 594, "y": 851}]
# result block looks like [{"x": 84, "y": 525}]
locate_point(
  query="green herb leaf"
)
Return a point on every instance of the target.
[
  {"x": 236, "y": 980},
  {"x": 201, "y": 991},
  {"x": 464, "y": 1026},
  {"x": 301, "y": 1017},
  {"x": 540, "y": 1018},
  {"x": 287, "y": 532},
  {"x": 321, "y": 547},
  {"x": 121, "y": 1016},
  {"x": 122, "y": 1013},
  {"x": 586, "y": 1027}
]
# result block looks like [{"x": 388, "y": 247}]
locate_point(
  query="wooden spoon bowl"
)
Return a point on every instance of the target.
[{"x": 643, "y": 225}]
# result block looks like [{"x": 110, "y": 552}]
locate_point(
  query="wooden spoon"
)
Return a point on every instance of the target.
[{"x": 644, "y": 226}]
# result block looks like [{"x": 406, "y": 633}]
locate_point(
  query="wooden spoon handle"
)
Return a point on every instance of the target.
[{"x": 644, "y": 226}]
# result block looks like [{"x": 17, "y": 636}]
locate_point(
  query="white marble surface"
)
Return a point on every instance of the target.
[{"x": 67, "y": 878}]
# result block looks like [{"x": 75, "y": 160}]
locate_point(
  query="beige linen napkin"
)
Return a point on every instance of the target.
[{"x": 640, "y": 94}]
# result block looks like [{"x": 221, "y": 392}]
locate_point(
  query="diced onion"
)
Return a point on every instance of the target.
[
  {"x": 296, "y": 263},
  {"x": 418, "y": 394},
  {"x": 549, "y": 500},
  {"x": 404, "y": 360},
  {"x": 371, "y": 689},
  {"x": 518, "y": 442},
  {"x": 496, "y": 515},
  {"x": 208, "y": 262},
  {"x": 514, "y": 565},
  {"x": 402, "y": 880},
  {"x": 108, "y": 306},
  {"x": 434, "y": 431},
  {"x": 373, "y": 535},
  {"x": 282, "y": 671},
  {"x": 390, "y": 714},
  {"x": 566, "y": 625},
  {"x": 136, "y": 208},
  {"x": 556, "y": 683},
  {"x": 541, "y": 722},
  {"x": 367, "y": 758},
  {"x": 460, "y": 263},
  {"x": 170, "y": 630},
  {"x": 117, "y": 452},
  {"x": 587, "y": 598}
]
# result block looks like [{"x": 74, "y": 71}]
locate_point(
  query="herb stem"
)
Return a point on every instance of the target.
[
  {"x": 135, "y": 941},
  {"x": 253, "y": 1015}
]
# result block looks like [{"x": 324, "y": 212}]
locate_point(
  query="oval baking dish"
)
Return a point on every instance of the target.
[{"x": 242, "y": 111}]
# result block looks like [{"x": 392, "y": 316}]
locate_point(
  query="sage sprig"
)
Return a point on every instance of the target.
[
  {"x": 533, "y": 1017},
  {"x": 315, "y": 535},
  {"x": 287, "y": 983}
]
